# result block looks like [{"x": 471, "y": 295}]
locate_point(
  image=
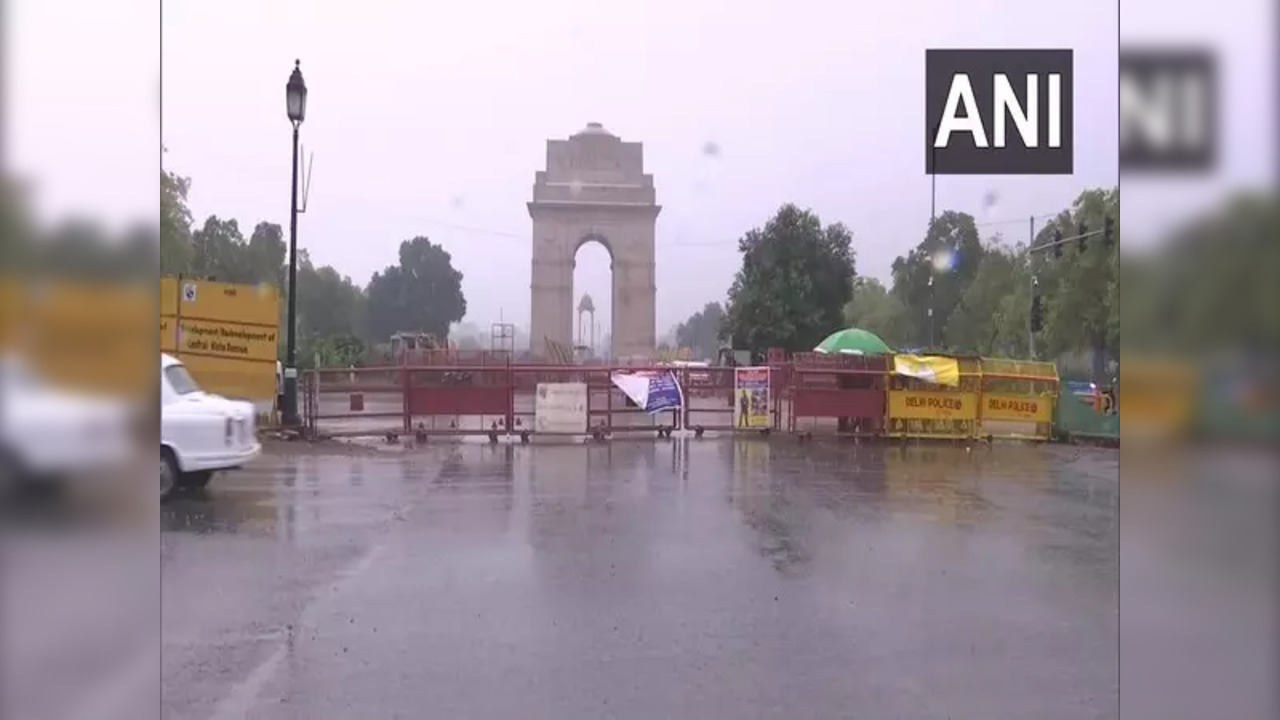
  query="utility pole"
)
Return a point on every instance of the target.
[
  {"x": 930, "y": 308},
  {"x": 1031, "y": 328},
  {"x": 933, "y": 214}
]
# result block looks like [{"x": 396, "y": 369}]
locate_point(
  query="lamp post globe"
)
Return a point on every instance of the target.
[{"x": 295, "y": 94}]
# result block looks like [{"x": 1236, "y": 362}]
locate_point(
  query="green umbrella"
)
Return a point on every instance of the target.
[{"x": 853, "y": 341}]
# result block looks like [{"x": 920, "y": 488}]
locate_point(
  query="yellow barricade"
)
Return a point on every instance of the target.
[
  {"x": 1160, "y": 397},
  {"x": 918, "y": 408},
  {"x": 1017, "y": 399}
]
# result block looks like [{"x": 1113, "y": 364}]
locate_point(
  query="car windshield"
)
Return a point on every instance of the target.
[{"x": 180, "y": 380}]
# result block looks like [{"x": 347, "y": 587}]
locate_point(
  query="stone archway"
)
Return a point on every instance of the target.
[{"x": 594, "y": 189}]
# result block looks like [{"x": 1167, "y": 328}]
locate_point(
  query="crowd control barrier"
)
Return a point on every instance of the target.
[
  {"x": 921, "y": 409},
  {"x": 844, "y": 394},
  {"x": 1017, "y": 399},
  {"x": 898, "y": 397}
]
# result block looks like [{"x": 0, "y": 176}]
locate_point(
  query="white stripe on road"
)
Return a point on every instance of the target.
[{"x": 238, "y": 702}]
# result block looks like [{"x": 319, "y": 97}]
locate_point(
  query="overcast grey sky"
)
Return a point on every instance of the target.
[{"x": 431, "y": 119}]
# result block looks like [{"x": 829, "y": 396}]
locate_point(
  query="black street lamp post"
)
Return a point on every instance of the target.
[{"x": 296, "y": 106}]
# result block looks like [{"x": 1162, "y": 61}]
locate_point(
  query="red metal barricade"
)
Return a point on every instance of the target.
[
  {"x": 837, "y": 394},
  {"x": 328, "y": 406},
  {"x": 490, "y": 397},
  {"x": 708, "y": 397},
  {"x": 458, "y": 400}
]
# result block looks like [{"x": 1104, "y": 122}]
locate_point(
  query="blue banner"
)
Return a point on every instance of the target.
[
  {"x": 653, "y": 390},
  {"x": 664, "y": 393}
]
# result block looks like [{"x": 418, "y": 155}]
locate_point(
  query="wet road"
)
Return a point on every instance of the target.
[{"x": 683, "y": 579}]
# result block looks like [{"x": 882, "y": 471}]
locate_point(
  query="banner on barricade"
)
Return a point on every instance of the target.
[
  {"x": 560, "y": 408},
  {"x": 751, "y": 397},
  {"x": 652, "y": 390},
  {"x": 930, "y": 368}
]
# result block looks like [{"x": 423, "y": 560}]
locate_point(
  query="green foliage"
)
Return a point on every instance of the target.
[
  {"x": 701, "y": 332},
  {"x": 952, "y": 235},
  {"x": 982, "y": 300},
  {"x": 796, "y": 277},
  {"x": 1212, "y": 287},
  {"x": 422, "y": 293},
  {"x": 1081, "y": 288},
  {"x": 993, "y": 315},
  {"x": 343, "y": 350},
  {"x": 329, "y": 306},
  {"x": 875, "y": 309},
  {"x": 175, "y": 224},
  {"x": 82, "y": 249},
  {"x": 336, "y": 319}
]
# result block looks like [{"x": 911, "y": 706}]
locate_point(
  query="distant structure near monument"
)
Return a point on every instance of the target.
[
  {"x": 594, "y": 189},
  {"x": 587, "y": 325}
]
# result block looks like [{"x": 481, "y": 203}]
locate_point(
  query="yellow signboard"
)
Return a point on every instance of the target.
[
  {"x": 99, "y": 335},
  {"x": 227, "y": 302},
  {"x": 93, "y": 336},
  {"x": 168, "y": 296},
  {"x": 227, "y": 340},
  {"x": 232, "y": 378},
  {"x": 225, "y": 334},
  {"x": 168, "y": 335},
  {"x": 1026, "y": 408},
  {"x": 924, "y": 405}
]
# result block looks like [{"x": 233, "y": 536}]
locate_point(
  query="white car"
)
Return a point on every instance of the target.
[
  {"x": 200, "y": 433},
  {"x": 49, "y": 434}
]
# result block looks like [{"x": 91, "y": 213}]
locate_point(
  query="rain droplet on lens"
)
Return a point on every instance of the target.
[{"x": 711, "y": 149}]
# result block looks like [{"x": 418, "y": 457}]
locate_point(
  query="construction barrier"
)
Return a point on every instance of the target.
[
  {"x": 901, "y": 397},
  {"x": 1017, "y": 399},
  {"x": 840, "y": 393},
  {"x": 710, "y": 394},
  {"x": 487, "y": 399},
  {"x": 1160, "y": 397},
  {"x": 1081, "y": 417},
  {"x": 919, "y": 408}
]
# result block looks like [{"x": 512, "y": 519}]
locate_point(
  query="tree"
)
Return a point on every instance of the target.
[
  {"x": 1211, "y": 287},
  {"x": 1081, "y": 287},
  {"x": 218, "y": 251},
  {"x": 175, "y": 224},
  {"x": 329, "y": 306},
  {"x": 422, "y": 293},
  {"x": 993, "y": 315},
  {"x": 796, "y": 277},
  {"x": 701, "y": 332},
  {"x": 949, "y": 254},
  {"x": 268, "y": 254},
  {"x": 875, "y": 309}
]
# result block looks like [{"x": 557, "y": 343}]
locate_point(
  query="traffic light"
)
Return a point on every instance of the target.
[
  {"x": 1037, "y": 315},
  {"x": 1108, "y": 230},
  {"x": 1080, "y": 236},
  {"x": 1057, "y": 243}
]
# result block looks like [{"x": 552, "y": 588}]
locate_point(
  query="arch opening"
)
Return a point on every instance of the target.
[{"x": 592, "y": 292}]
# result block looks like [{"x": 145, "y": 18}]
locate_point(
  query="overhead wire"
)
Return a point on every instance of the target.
[{"x": 695, "y": 243}]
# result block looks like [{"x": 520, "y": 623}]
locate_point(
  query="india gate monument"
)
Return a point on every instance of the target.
[{"x": 594, "y": 189}]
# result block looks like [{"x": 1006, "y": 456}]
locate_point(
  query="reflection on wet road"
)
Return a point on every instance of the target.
[{"x": 713, "y": 579}]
